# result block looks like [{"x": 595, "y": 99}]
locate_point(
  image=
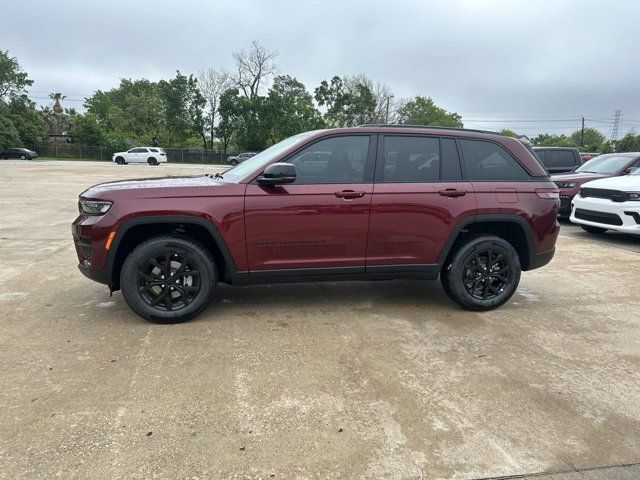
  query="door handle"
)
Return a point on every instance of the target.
[
  {"x": 452, "y": 192},
  {"x": 348, "y": 194}
]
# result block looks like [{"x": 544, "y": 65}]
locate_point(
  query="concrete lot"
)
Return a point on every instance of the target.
[{"x": 355, "y": 380}]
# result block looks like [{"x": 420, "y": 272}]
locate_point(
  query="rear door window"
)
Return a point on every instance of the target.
[
  {"x": 490, "y": 161},
  {"x": 411, "y": 159}
]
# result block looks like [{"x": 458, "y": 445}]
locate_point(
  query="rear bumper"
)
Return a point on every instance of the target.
[{"x": 541, "y": 259}]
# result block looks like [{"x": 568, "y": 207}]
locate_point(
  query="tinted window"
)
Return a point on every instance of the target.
[
  {"x": 560, "y": 158},
  {"x": 411, "y": 159},
  {"x": 153, "y": 150},
  {"x": 541, "y": 154},
  {"x": 489, "y": 161},
  {"x": 334, "y": 160}
]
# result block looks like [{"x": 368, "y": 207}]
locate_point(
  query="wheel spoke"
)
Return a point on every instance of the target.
[{"x": 168, "y": 301}]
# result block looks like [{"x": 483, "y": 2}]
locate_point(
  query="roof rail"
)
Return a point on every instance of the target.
[{"x": 432, "y": 127}]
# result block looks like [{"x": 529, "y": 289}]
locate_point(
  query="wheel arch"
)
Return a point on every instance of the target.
[
  {"x": 512, "y": 228},
  {"x": 134, "y": 231}
]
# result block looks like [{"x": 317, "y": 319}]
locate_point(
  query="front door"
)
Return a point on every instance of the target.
[{"x": 321, "y": 220}]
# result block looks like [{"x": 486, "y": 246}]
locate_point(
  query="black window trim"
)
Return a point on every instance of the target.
[{"x": 369, "y": 163}]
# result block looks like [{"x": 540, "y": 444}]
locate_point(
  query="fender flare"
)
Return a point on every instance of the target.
[
  {"x": 492, "y": 217},
  {"x": 127, "y": 225}
]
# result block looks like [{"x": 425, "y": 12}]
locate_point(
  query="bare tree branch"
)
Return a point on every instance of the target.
[
  {"x": 212, "y": 83},
  {"x": 254, "y": 68}
]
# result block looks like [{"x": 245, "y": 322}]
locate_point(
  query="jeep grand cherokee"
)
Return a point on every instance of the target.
[{"x": 372, "y": 202}]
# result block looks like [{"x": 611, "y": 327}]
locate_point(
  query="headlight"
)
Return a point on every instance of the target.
[
  {"x": 566, "y": 184},
  {"x": 633, "y": 195},
  {"x": 94, "y": 207}
]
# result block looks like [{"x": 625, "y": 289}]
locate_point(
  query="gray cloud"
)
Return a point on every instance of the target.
[{"x": 493, "y": 61}]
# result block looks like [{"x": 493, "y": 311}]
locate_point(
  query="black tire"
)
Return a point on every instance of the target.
[
  {"x": 120, "y": 161},
  {"x": 234, "y": 162},
  {"x": 152, "y": 161},
  {"x": 482, "y": 273},
  {"x": 158, "y": 260},
  {"x": 595, "y": 230}
]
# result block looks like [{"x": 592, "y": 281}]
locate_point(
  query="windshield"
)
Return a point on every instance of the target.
[
  {"x": 605, "y": 164},
  {"x": 258, "y": 161}
]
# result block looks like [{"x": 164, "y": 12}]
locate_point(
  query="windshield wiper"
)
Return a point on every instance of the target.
[{"x": 218, "y": 175}]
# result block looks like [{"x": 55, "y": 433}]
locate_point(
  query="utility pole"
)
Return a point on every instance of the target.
[
  {"x": 386, "y": 119},
  {"x": 582, "y": 134}
]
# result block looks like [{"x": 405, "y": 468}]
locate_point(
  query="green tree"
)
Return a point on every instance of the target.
[
  {"x": 229, "y": 113},
  {"x": 13, "y": 80},
  {"x": 184, "y": 109},
  {"x": 629, "y": 143},
  {"x": 423, "y": 111},
  {"x": 347, "y": 105},
  {"x": 508, "y": 133},
  {"x": 290, "y": 109},
  {"x": 88, "y": 130},
  {"x": 20, "y": 125},
  {"x": 549, "y": 140},
  {"x": 591, "y": 141}
]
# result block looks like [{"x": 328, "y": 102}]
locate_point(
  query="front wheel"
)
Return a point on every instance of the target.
[
  {"x": 23, "y": 157},
  {"x": 168, "y": 279},
  {"x": 234, "y": 163},
  {"x": 590, "y": 229},
  {"x": 120, "y": 161},
  {"x": 483, "y": 273}
]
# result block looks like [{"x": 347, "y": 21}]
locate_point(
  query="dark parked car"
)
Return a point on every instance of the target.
[
  {"x": 609, "y": 165},
  {"x": 367, "y": 203},
  {"x": 235, "y": 160},
  {"x": 559, "y": 159},
  {"x": 21, "y": 153}
]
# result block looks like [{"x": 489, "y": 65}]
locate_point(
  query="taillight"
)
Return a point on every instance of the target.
[{"x": 548, "y": 193}]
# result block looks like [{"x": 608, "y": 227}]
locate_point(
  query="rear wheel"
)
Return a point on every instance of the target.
[
  {"x": 590, "y": 229},
  {"x": 483, "y": 273},
  {"x": 23, "y": 157},
  {"x": 120, "y": 161},
  {"x": 168, "y": 279},
  {"x": 152, "y": 161}
]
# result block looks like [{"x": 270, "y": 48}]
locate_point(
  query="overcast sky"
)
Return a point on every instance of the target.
[{"x": 531, "y": 66}]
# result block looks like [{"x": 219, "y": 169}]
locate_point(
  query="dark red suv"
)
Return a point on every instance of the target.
[{"x": 366, "y": 203}]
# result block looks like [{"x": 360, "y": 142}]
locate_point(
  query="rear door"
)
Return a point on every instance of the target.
[
  {"x": 418, "y": 197},
  {"x": 321, "y": 220}
]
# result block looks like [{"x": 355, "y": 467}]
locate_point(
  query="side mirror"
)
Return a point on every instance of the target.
[
  {"x": 278, "y": 174},
  {"x": 630, "y": 170}
]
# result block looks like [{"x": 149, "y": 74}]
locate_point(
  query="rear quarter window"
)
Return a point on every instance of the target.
[{"x": 489, "y": 161}]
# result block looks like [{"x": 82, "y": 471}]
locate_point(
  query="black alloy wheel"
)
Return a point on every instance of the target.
[
  {"x": 168, "y": 279},
  {"x": 482, "y": 272}
]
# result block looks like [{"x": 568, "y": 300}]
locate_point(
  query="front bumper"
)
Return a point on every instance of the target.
[{"x": 603, "y": 213}]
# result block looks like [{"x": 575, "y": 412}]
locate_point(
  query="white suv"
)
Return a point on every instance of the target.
[
  {"x": 150, "y": 155},
  {"x": 609, "y": 204}
]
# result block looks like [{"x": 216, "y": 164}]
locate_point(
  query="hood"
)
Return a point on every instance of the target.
[
  {"x": 627, "y": 183},
  {"x": 579, "y": 177},
  {"x": 146, "y": 187}
]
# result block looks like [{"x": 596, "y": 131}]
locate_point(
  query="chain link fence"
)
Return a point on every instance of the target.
[{"x": 86, "y": 152}]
